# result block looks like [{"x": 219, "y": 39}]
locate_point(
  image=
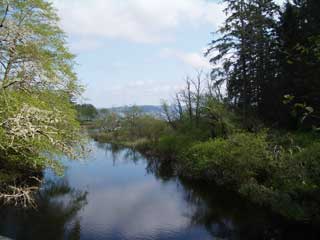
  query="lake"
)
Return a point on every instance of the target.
[{"x": 116, "y": 193}]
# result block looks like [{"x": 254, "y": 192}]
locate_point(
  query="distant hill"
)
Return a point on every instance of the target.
[{"x": 147, "y": 109}]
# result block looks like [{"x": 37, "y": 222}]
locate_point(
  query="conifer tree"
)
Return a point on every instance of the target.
[
  {"x": 247, "y": 50},
  {"x": 300, "y": 62}
]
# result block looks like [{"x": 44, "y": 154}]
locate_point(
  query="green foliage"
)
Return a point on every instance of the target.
[
  {"x": 294, "y": 140},
  {"x": 308, "y": 158},
  {"x": 37, "y": 128},
  {"x": 221, "y": 119},
  {"x": 131, "y": 127},
  {"x": 269, "y": 61},
  {"x": 107, "y": 121},
  {"x": 86, "y": 112},
  {"x": 292, "y": 188},
  {"x": 30, "y": 35},
  {"x": 205, "y": 115},
  {"x": 37, "y": 86},
  {"x": 271, "y": 69},
  {"x": 299, "y": 32},
  {"x": 244, "y": 54},
  {"x": 151, "y": 128},
  {"x": 237, "y": 159},
  {"x": 280, "y": 171},
  {"x": 170, "y": 146}
]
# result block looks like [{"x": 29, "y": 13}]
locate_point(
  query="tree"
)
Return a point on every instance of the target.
[
  {"x": 86, "y": 112},
  {"x": 300, "y": 62},
  {"x": 37, "y": 87},
  {"x": 130, "y": 118},
  {"x": 188, "y": 101},
  {"x": 234, "y": 43},
  {"x": 169, "y": 113},
  {"x": 108, "y": 120},
  {"x": 246, "y": 51},
  {"x": 264, "y": 64}
]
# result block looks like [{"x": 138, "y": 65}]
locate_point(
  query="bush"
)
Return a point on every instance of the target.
[
  {"x": 151, "y": 128},
  {"x": 236, "y": 159},
  {"x": 171, "y": 146},
  {"x": 267, "y": 173},
  {"x": 309, "y": 160},
  {"x": 292, "y": 187}
]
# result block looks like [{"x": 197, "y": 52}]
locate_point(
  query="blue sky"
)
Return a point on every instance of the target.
[{"x": 137, "y": 51}]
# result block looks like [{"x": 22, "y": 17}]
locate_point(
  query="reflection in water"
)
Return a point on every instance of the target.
[
  {"x": 225, "y": 215},
  {"x": 118, "y": 194},
  {"x": 58, "y": 205},
  {"x": 120, "y": 153},
  {"x": 74, "y": 233}
]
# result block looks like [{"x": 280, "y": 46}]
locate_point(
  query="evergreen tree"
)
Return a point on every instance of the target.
[
  {"x": 247, "y": 50},
  {"x": 300, "y": 62},
  {"x": 264, "y": 67}
]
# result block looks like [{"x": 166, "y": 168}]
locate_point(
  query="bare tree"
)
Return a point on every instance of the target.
[
  {"x": 197, "y": 94},
  {"x": 188, "y": 104},
  {"x": 178, "y": 106},
  {"x": 170, "y": 117}
]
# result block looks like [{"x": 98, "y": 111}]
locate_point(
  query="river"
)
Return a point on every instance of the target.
[{"x": 117, "y": 193}]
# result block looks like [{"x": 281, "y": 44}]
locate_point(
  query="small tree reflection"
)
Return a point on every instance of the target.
[
  {"x": 120, "y": 153},
  {"x": 55, "y": 217}
]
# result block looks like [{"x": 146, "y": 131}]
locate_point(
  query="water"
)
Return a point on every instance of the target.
[{"x": 119, "y": 194}]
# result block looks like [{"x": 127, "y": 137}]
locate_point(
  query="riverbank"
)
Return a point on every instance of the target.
[
  {"x": 117, "y": 193},
  {"x": 276, "y": 170}
]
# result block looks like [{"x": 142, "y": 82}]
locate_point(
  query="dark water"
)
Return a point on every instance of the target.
[{"x": 118, "y": 194}]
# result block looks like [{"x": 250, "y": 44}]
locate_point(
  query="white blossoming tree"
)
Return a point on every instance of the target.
[{"x": 37, "y": 87}]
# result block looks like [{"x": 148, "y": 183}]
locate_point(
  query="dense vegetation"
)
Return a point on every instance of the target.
[
  {"x": 260, "y": 138},
  {"x": 37, "y": 90}
]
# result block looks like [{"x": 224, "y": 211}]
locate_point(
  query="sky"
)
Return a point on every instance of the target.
[{"x": 138, "y": 51}]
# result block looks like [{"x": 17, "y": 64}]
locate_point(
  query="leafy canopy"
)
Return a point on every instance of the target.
[{"x": 37, "y": 86}]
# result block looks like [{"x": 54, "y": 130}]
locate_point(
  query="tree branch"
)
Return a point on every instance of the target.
[{"x": 5, "y": 16}]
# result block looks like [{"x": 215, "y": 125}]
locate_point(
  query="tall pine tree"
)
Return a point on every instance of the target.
[
  {"x": 300, "y": 33},
  {"x": 247, "y": 49}
]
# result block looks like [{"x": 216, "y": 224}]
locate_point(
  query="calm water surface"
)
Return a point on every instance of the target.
[{"x": 118, "y": 194}]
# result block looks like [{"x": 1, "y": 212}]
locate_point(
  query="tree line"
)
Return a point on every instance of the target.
[{"x": 263, "y": 53}]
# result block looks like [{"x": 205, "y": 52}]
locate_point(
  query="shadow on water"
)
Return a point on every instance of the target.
[{"x": 55, "y": 216}]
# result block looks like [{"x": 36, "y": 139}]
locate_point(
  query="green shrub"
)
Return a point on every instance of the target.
[
  {"x": 293, "y": 140},
  {"x": 236, "y": 159},
  {"x": 263, "y": 171},
  {"x": 151, "y": 128},
  {"x": 292, "y": 187},
  {"x": 308, "y": 161},
  {"x": 171, "y": 146}
]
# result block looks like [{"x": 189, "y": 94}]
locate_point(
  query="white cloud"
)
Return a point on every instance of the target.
[
  {"x": 135, "y": 214},
  {"x": 193, "y": 59},
  {"x": 135, "y": 20},
  {"x": 85, "y": 44}
]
